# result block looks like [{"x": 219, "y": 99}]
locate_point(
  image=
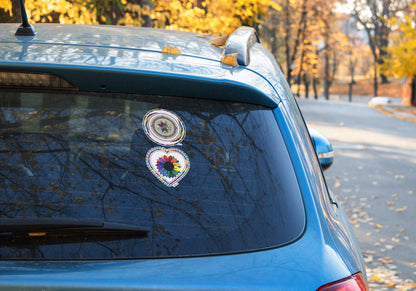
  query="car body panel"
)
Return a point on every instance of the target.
[
  {"x": 110, "y": 67},
  {"x": 128, "y": 60},
  {"x": 288, "y": 268},
  {"x": 334, "y": 222}
]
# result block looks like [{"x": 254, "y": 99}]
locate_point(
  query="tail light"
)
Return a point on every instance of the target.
[{"x": 353, "y": 283}]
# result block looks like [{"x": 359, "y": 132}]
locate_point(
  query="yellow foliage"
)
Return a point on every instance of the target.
[
  {"x": 40, "y": 11},
  {"x": 6, "y": 6},
  {"x": 202, "y": 16},
  {"x": 209, "y": 15},
  {"x": 402, "y": 59}
]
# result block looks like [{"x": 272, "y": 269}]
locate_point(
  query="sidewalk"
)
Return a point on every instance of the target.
[
  {"x": 388, "y": 105},
  {"x": 393, "y": 107}
]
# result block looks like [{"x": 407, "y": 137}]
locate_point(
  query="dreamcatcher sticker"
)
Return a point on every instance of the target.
[
  {"x": 168, "y": 165},
  {"x": 163, "y": 127}
]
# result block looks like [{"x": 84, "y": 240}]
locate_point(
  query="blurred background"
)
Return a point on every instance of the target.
[{"x": 345, "y": 47}]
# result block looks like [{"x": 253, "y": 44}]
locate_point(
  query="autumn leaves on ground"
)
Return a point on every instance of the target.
[{"x": 381, "y": 269}]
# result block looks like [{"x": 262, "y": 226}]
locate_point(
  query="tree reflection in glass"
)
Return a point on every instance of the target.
[{"x": 83, "y": 156}]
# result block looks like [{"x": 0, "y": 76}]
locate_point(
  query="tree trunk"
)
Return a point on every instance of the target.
[
  {"x": 350, "y": 91},
  {"x": 300, "y": 72},
  {"x": 314, "y": 87},
  {"x": 326, "y": 72},
  {"x": 306, "y": 82},
  {"x": 287, "y": 46},
  {"x": 409, "y": 92},
  {"x": 274, "y": 46},
  {"x": 326, "y": 89},
  {"x": 147, "y": 20},
  {"x": 14, "y": 17},
  {"x": 291, "y": 55},
  {"x": 383, "y": 39},
  {"x": 384, "y": 79},
  {"x": 352, "y": 64},
  {"x": 375, "y": 78}
]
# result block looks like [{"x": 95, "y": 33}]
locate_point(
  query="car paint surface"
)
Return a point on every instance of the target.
[
  {"x": 129, "y": 60},
  {"x": 142, "y": 68},
  {"x": 279, "y": 269}
]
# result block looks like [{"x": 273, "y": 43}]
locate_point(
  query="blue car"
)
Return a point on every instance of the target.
[{"x": 145, "y": 159}]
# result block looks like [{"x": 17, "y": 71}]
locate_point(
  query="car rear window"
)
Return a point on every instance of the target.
[{"x": 200, "y": 177}]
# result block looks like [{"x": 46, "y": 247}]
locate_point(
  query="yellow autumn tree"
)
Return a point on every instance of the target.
[
  {"x": 6, "y": 6},
  {"x": 121, "y": 12},
  {"x": 212, "y": 16},
  {"x": 59, "y": 11},
  {"x": 7, "y": 11},
  {"x": 401, "y": 61},
  {"x": 192, "y": 15}
]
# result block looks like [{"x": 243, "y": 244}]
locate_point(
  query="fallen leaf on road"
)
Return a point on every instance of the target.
[{"x": 381, "y": 277}]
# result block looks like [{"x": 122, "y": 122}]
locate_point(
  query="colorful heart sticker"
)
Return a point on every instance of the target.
[
  {"x": 163, "y": 127},
  {"x": 168, "y": 165}
]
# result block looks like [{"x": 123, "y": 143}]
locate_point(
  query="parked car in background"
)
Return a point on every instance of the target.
[{"x": 145, "y": 159}]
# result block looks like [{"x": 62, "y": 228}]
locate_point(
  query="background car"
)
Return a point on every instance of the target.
[{"x": 138, "y": 159}]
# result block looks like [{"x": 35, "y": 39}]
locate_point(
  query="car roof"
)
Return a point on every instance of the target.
[{"x": 129, "y": 59}]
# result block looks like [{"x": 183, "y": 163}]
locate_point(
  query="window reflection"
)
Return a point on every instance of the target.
[{"x": 83, "y": 156}]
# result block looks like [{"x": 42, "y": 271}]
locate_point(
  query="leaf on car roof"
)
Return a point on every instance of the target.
[
  {"x": 230, "y": 59},
  {"x": 204, "y": 35},
  {"x": 219, "y": 41},
  {"x": 172, "y": 50}
]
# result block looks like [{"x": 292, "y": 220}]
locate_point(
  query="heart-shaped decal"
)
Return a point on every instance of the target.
[{"x": 168, "y": 165}]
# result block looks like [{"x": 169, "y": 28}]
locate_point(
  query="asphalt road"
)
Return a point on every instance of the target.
[{"x": 374, "y": 178}]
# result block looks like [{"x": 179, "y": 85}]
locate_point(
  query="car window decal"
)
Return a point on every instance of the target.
[
  {"x": 168, "y": 165},
  {"x": 163, "y": 127}
]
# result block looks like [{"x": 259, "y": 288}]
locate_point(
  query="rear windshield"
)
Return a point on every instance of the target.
[{"x": 111, "y": 176}]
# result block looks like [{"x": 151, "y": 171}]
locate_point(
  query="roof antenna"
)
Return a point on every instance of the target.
[{"x": 25, "y": 29}]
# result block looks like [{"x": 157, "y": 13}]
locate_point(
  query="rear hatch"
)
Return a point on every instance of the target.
[{"x": 118, "y": 176}]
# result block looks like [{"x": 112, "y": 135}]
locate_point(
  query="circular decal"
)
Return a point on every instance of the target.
[
  {"x": 168, "y": 165},
  {"x": 163, "y": 127}
]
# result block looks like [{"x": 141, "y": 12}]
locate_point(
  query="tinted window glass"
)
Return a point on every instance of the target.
[{"x": 202, "y": 177}]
